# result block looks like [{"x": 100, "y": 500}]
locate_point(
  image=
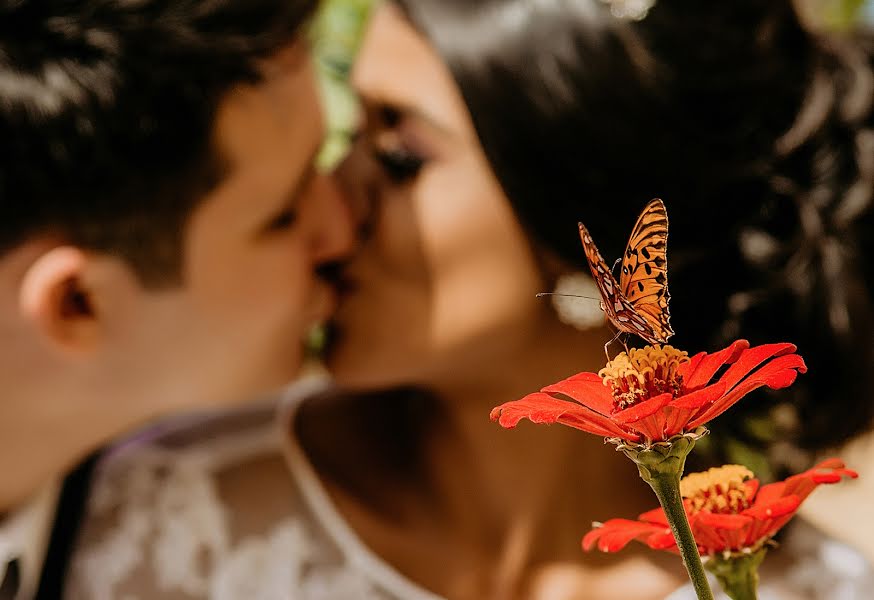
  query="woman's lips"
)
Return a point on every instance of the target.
[
  {"x": 331, "y": 289},
  {"x": 344, "y": 285},
  {"x": 336, "y": 275}
]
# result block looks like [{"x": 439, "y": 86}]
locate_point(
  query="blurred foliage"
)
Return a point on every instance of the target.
[
  {"x": 837, "y": 15},
  {"x": 336, "y": 34},
  {"x": 841, "y": 14}
]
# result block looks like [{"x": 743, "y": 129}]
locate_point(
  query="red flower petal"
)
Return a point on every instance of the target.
[
  {"x": 722, "y": 521},
  {"x": 770, "y": 492},
  {"x": 711, "y": 540},
  {"x": 676, "y": 420},
  {"x": 830, "y": 471},
  {"x": 751, "y": 487},
  {"x": 819, "y": 475},
  {"x": 543, "y": 408},
  {"x": 706, "y": 366},
  {"x": 663, "y": 540},
  {"x": 751, "y": 358},
  {"x": 774, "y": 510},
  {"x": 680, "y": 410},
  {"x": 776, "y": 374},
  {"x": 641, "y": 410},
  {"x": 830, "y": 463},
  {"x": 700, "y": 397},
  {"x": 615, "y": 534},
  {"x": 586, "y": 388},
  {"x": 831, "y": 477},
  {"x": 775, "y": 504},
  {"x": 655, "y": 516},
  {"x": 652, "y": 428},
  {"x": 687, "y": 368}
]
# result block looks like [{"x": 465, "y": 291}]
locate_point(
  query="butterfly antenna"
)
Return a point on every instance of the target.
[{"x": 541, "y": 294}]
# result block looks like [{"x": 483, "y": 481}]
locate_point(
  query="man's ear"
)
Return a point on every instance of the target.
[{"x": 54, "y": 297}]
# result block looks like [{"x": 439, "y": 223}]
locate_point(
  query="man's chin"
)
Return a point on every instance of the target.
[{"x": 323, "y": 305}]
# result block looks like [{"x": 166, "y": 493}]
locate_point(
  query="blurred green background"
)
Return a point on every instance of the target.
[
  {"x": 336, "y": 33},
  {"x": 840, "y": 14}
]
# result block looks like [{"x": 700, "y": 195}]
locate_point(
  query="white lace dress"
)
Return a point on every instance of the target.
[
  {"x": 225, "y": 508},
  {"x": 228, "y": 508}
]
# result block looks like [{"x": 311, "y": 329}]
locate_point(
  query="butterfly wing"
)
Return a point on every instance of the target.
[
  {"x": 643, "y": 280},
  {"x": 617, "y": 308}
]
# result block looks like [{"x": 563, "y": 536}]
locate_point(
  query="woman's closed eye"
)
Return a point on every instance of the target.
[{"x": 399, "y": 163}]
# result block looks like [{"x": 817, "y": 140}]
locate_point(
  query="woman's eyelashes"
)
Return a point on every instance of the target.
[{"x": 399, "y": 163}]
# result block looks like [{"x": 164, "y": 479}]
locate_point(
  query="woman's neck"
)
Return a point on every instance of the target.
[
  {"x": 481, "y": 511},
  {"x": 521, "y": 480}
]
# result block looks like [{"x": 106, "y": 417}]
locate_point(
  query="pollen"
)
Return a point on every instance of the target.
[
  {"x": 643, "y": 373},
  {"x": 719, "y": 490}
]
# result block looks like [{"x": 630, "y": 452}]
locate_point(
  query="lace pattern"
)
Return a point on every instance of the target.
[{"x": 160, "y": 524}]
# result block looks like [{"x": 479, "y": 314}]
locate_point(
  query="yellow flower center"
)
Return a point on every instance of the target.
[
  {"x": 642, "y": 373},
  {"x": 718, "y": 490}
]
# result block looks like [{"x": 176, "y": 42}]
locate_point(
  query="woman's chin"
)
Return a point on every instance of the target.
[
  {"x": 349, "y": 364},
  {"x": 356, "y": 364}
]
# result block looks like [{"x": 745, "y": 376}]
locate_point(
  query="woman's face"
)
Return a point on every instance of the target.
[{"x": 446, "y": 281}]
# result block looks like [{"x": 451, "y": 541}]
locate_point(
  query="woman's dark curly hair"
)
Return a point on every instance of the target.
[{"x": 755, "y": 131}]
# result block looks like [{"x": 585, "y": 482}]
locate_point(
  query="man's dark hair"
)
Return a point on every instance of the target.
[{"x": 107, "y": 110}]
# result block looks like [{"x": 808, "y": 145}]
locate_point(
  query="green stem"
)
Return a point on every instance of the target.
[
  {"x": 661, "y": 466},
  {"x": 667, "y": 488},
  {"x": 738, "y": 574}
]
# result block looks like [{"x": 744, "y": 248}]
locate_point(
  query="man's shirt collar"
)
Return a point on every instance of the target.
[{"x": 24, "y": 536}]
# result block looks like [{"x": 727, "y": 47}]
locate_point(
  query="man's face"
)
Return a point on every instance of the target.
[
  {"x": 249, "y": 293},
  {"x": 88, "y": 352}
]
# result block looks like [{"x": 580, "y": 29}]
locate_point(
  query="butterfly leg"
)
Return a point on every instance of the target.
[
  {"x": 616, "y": 263},
  {"x": 607, "y": 345}
]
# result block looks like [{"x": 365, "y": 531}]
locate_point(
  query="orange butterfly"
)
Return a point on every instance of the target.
[{"x": 638, "y": 303}]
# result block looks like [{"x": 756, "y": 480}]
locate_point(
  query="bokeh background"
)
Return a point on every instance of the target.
[{"x": 340, "y": 23}]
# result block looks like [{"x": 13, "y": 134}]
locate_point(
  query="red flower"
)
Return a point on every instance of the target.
[
  {"x": 654, "y": 393},
  {"x": 727, "y": 512}
]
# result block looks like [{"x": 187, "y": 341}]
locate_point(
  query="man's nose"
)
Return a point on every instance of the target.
[
  {"x": 332, "y": 227},
  {"x": 356, "y": 181}
]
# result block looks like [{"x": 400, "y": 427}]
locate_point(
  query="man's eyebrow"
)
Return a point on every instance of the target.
[{"x": 292, "y": 198}]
